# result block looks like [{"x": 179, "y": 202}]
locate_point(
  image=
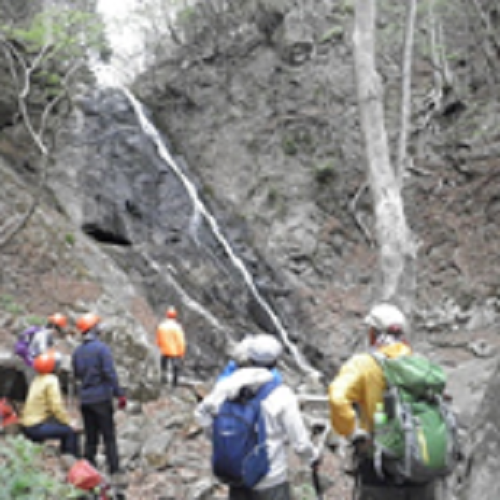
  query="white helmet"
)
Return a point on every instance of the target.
[
  {"x": 386, "y": 318},
  {"x": 264, "y": 349}
]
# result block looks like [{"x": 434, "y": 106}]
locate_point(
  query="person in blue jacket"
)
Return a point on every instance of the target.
[{"x": 94, "y": 367}]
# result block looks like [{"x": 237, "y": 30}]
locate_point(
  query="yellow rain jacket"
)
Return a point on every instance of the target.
[
  {"x": 44, "y": 402},
  {"x": 360, "y": 381},
  {"x": 170, "y": 339}
]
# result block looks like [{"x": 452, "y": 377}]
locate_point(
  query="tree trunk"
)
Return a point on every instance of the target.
[
  {"x": 411, "y": 11},
  {"x": 394, "y": 238}
]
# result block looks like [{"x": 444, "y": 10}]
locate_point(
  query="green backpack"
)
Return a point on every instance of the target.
[{"x": 417, "y": 441}]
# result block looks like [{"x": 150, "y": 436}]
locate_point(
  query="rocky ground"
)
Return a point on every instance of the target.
[{"x": 167, "y": 457}]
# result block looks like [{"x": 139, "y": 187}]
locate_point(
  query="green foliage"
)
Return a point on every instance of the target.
[
  {"x": 298, "y": 140},
  {"x": 334, "y": 33},
  {"x": 305, "y": 492},
  {"x": 348, "y": 7},
  {"x": 8, "y": 304},
  {"x": 69, "y": 238},
  {"x": 272, "y": 195},
  {"x": 22, "y": 475},
  {"x": 6, "y": 299},
  {"x": 55, "y": 41},
  {"x": 324, "y": 172},
  {"x": 69, "y": 33},
  {"x": 289, "y": 145},
  {"x": 186, "y": 15},
  {"x": 35, "y": 320}
]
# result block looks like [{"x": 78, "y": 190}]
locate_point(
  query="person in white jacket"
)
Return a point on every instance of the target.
[{"x": 284, "y": 423}]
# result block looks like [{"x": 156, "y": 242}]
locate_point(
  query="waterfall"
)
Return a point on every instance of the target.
[{"x": 200, "y": 211}]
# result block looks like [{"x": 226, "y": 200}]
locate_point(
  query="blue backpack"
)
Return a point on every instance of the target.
[{"x": 239, "y": 451}]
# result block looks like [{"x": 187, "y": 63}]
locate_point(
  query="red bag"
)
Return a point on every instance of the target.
[
  {"x": 84, "y": 476},
  {"x": 7, "y": 414}
]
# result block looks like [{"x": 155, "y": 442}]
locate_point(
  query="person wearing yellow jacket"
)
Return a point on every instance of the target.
[
  {"x": 171, "y": 340},
  {"x": 44, "y": 415},
  {"x": 354, "y": 394}
]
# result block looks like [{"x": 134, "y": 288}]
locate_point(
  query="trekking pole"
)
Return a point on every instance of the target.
[
  {"x": 314, "y": 469},
  {"x": 71, "y": 390},
  {"x": 316, "y": 483}
]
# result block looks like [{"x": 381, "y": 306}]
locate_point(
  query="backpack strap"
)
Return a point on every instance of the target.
[
  {"x": 403, "y": 416},
  {"x": 379, "y": 357},
  {"x": 265, "y": 390}
]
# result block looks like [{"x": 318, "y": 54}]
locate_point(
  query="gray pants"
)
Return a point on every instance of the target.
[
  {"x": 371, "y": 487},
  {"x": 279, "y": 492},
  {"x": 424, "y": 492}
]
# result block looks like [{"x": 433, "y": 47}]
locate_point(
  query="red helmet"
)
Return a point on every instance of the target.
[
  {"x": 87, "y": 321},
  {"x": 171, "y": 313},
  {"x": 49, "y": 362},
  {"x": 58, "y": 319}
]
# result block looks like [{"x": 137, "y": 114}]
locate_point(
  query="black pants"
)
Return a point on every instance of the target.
[
  {"x": 279, "y": 492},
  {"x": 53, "y": 429},
  {"x": 98, "y": 421},
  {"x": 175, "y": 368},
  {"x": 372, "y": 487}
]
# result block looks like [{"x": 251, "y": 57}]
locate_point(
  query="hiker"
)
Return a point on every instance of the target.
[
  {"x": 94, "y": 367},
  {"x": 36, "y": 339},
  {"x": 281, "y": 419},
  {"x": 354, "y": 395},
  {"x": 172, "y": 343},
  {"x": 44, "y": 415},
  {"x": 43, "y": 339},
  {"x": 240, "y": 359}
]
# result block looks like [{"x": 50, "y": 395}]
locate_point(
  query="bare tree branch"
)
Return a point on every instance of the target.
[
  {"x": 12, "y": 227},
  {"x": 437, "y": 91},
  {"x": 485, "y": 20},
  {"x": 405, "y": 114},
  {"x": 354, "y": 202},
  {"x": 486, "y": 49}
]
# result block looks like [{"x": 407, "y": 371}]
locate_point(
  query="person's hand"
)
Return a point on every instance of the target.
[
  {"x": 359, "y": 435},
  {"x": 122, "y": 402},
  {"x": 360, "y": 440},
  {"x": 316, "y": 460},
  {"x": 316, "y": 463},
  {"x": 75, "y": 425}
]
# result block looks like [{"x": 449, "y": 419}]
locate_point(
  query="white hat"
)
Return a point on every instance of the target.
[
  {"x": 264, "y": 349},
  {"x": 385, "y": 317}
]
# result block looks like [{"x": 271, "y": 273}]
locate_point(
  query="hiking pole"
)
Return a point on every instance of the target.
[
  {"x": 314, "y": 469},
  {"x": 316, "y": 483}
]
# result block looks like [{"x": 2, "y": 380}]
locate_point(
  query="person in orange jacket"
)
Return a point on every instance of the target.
[
  {"x": 172, "y": 343},
  {"x": 354, "y": 394}
]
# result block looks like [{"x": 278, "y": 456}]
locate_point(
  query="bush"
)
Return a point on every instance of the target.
[{"x": 23, "y": 475}]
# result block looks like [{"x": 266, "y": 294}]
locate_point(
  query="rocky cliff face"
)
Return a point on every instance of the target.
[{"x": 267, "y": 120}]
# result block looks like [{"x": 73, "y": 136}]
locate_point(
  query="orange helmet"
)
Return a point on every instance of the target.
[
  {"x": 171, "y": 313},
  {"x": 87, "y": 321},
  {"x": 48, "y": 362},
  {"x": 58, "y": 319}
]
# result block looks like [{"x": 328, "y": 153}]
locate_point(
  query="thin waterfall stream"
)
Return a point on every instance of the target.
[{"x": 200, "y": 210}]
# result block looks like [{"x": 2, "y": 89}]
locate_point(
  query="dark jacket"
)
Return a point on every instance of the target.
[{"x": 93, "y": 365}]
